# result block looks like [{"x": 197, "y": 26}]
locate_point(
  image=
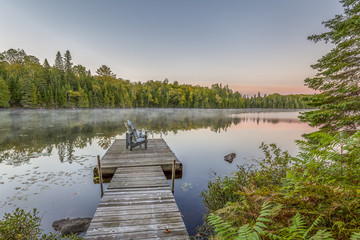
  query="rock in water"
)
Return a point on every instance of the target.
[
  {"x": 230, "y": 157},
  {"x": 71, "y": 226}
]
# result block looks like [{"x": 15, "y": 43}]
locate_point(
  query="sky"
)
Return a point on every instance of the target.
[{"x": 251, "y": 45}]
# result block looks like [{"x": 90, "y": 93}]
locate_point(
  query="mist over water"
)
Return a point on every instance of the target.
[{"x": 47, "y": 156}]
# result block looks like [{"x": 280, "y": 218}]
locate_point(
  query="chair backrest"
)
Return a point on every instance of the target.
[
  {"x": 128, "y": 127},
  {"x": 132, "y": 125}
]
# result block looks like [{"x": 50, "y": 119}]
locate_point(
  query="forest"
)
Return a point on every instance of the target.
[{"x": 25, "y": 83}]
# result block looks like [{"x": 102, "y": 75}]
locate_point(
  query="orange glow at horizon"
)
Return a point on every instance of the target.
[{"x": 285, "y": 90}]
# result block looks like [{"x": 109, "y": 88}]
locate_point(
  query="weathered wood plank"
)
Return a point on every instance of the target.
[
  {"x": 132, "y": 190},
  {"x": 115, "y": 227},
  {"x": 135, "y": 212},
  {"x": 118, "y": 218},
  {"x": 175, "y": 235},
  {"x": 137, "y": 222}
]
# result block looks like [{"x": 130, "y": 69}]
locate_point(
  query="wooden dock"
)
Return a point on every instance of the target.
[
  {"x": 157, "y": 154},
  {"x": 138, "y": 203}
]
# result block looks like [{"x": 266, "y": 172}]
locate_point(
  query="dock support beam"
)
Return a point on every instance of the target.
[
  {"x": 173, "y": 176},
  {"x": 100, "y": 176}
]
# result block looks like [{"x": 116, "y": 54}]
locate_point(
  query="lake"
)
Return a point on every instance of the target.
[{"x": 47, "y": 156}]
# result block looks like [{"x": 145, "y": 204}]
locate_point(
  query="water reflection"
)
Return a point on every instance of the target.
[
  {"x": 25, "y": 134},
  {"x": 47, "y": 157}
]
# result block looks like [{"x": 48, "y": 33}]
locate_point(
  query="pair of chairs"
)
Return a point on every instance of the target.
[{"x": 134, "y": 138}]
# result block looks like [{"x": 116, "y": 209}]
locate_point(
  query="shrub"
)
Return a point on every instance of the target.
[{"x": 26, "y": 225}]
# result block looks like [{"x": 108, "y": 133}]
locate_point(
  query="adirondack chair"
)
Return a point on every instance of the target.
[
  {"x": 138, "y": 133},
  {"x": 133, "y": 137}
]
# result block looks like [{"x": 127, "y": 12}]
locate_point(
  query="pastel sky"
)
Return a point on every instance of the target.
[{"x": 251, "y": 45}]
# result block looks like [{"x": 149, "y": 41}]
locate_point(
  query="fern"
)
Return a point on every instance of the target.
[
  {"x": 245, "y": 232},
  {"x": 222, "y": 228},
  {"x": 261, "y": 220},
  {"x": 321, "y": 235},
  {"x": 313, "y": 225},
  {"x": 355, "y": 236},
  {"x": 298, "y": 230},
  {"x": 297, "y": 227}
]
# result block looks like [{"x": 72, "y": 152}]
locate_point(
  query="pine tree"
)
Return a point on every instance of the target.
[
  {"x": 29, "y": 91},
  {"x": 67, "y": 62},
  {"x": 59, "y": 62},
  {"x": 338, "y": 102},
  {"x": 68, "y": 70}
]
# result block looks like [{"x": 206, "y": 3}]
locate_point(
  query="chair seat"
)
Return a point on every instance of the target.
[{"x": 140, "y": 139}]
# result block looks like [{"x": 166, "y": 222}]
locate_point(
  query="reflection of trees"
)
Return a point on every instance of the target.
[{"x": 25, "y": 132}]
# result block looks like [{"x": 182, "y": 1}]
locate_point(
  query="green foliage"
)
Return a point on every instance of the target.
[
  {"x": 298, "y": 230},
  {"x": 220, "y": 191},
  {"x": 26, "y": 225},
  {"x": 4, "y": 94},
  {"x": 64, "y": 85},
  {"x": 20, "y": 225},
  {"x": 355, "y": 236},
  {"x": 330, "y": 158},
  {"x": 273, "y": 167}
]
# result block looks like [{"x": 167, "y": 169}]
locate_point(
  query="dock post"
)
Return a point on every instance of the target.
[
  {"x": 100, "y": 176},
  {"x": 173, "y": 177}
]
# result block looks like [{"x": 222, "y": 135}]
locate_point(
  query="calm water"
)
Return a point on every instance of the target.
[{"x": 47, "y": 157}]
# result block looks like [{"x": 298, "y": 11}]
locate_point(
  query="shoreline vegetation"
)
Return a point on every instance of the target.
[
  {"x": 25, "y": 83},
  {"x": 315, "y": 194}
]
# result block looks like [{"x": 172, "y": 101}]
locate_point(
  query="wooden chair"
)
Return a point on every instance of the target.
[
  {"x": 138, "y": 134},
  {"x": 133, "y": 137}
]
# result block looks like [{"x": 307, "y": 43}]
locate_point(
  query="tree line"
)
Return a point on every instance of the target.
[{"x": 24, "y": 82}]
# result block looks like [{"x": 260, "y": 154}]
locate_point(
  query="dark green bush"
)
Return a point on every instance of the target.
[{"x": 26, "y": 226}]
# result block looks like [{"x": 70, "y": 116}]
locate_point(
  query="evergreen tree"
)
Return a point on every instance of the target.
[
  {"x": 59, "y": 63},
  {"x": 29, "y": 91},
  {"x": 67, "y": 62},
  {"x": 46, "y": 64},
  {"x": 69, "y": 73},
  {"x": 4, "y": 94},
  {"x": 338, "y": 102},
  {"x": 15, "y": 89}
]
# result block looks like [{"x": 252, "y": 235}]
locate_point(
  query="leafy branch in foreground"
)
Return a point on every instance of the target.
[{"x": 26, "y": 225}]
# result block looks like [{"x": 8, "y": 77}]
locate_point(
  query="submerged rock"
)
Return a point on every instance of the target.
[
  {"x": 230, "y": 157},
  {"x": 71, "y": 226}
]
